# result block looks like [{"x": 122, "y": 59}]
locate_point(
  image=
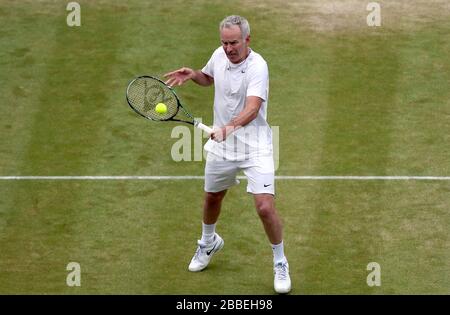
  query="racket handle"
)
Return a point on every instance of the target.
[{"x": 203, "y": 127}]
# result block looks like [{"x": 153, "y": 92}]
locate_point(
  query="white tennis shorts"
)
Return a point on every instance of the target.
[{"x": 221, "y": 174}]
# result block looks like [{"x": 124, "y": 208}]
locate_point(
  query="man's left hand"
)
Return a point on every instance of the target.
[{"x": 220, "y": 134}]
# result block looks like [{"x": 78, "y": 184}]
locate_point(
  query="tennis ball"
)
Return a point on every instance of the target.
[{"x": 161, "y": 108}]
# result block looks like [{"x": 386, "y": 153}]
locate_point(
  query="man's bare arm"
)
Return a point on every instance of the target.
[{"x": 249, "y": 113}]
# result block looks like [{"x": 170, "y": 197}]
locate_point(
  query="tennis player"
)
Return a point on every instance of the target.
[{"x": 241, "y": 140}]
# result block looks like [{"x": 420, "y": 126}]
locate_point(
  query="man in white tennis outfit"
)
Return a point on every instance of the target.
[{"x": 241, "y": 140}]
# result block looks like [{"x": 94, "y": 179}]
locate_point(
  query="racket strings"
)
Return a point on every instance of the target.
[{"x": 145, "y": 93}]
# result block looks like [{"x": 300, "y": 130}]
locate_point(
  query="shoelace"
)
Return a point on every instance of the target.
[
  {"x": 201, "y": 248},
  {"x": 281, "y": 271},
  {"x": 198, "y": 251}
]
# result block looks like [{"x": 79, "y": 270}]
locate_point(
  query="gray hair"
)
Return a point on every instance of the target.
[{"x": 240, "y": 21}]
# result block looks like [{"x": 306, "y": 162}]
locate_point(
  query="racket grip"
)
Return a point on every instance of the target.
[{"x": 203, "y": 127}]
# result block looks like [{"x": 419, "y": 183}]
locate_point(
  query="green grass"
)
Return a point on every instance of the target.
[{"x": 351, "y": 100}]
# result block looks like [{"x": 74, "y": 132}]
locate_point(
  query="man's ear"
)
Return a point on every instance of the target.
[{"x": 247, "y": 40}]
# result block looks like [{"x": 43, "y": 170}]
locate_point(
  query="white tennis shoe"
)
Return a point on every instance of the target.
[
  {"x": 282, "y": 281},
  {"x": 204, "y": 253}
]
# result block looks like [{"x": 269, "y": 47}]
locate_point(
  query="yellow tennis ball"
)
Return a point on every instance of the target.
[{"x": 161, "y": 108}]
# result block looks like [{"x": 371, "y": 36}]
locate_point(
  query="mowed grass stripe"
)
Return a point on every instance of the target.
[
  {"x": 400, "y": 225},
  {"x": 362, "y": 85},
  {"x": 416, "y": 242},
  {"x": 30, "y": 33},
  {"x": 413, "y": 234},
  {"x": 75, "y": 91},
  {"x": 23, "y": 59},
  {"x": 422, "y": 105}
]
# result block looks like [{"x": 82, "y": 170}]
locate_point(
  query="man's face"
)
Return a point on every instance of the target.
[{"x": 234, "y": 46}]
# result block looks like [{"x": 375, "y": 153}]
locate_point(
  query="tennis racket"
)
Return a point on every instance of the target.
[{"x": 144, "y": 92}]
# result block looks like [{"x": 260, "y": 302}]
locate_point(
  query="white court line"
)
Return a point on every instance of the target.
[{"x": 240, "y": 177}]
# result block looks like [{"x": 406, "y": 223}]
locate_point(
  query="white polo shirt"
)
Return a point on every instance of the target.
[{"x": 233, "y": 83}]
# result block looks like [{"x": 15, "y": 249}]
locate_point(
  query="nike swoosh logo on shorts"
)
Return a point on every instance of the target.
[{"x": 267, "y": 185}]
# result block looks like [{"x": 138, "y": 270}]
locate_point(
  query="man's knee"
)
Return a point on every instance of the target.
[
  {"x": 215, "y": 197},
  {"x": 265, "y": 208}
]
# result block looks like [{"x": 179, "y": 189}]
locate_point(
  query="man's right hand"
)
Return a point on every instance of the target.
[{"x": 178, "y": 77}]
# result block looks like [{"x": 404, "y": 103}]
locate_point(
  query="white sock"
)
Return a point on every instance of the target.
[
  {"x": 208, "y": 231},
  {"x": 278, "y": 253}
]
